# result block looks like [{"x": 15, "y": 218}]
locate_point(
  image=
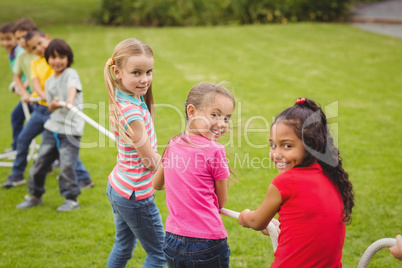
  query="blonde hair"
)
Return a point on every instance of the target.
[{"x": 122, "y": 51}]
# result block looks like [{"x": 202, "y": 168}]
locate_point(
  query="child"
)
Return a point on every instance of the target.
[
  {"x": 23, "y": 61},
  {"x": 196, "y": 174},
  {"x": 37, "y": 42},
  {"x": 128, "y": 80},
  {"x": 10, "y": 44},
  {"x": 62, "y": 134},
  {"x": 312, "y": 193}
]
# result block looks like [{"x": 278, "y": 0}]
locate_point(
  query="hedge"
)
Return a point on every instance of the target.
[{"x": 214, "y": 12}]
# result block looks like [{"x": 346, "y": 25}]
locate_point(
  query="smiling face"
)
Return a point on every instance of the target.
[
  {"x": 287, "y": 150},
  {"x": 136, "y": 76},
  {"x": 38, "y": 44},
  {"x": 58, "y": 63},
  {"x": 8, "y": 41},
  {"x": 20, "y": 37},
  {"x": 212, "y": 120}
]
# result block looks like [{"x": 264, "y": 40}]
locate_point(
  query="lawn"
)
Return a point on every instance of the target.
[{"x": 354, "y": 74}]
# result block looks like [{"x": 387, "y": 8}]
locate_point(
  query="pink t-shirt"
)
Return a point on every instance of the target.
[
  {"x": 191, "y": 168},
  {"x": 311, "y": 213}
]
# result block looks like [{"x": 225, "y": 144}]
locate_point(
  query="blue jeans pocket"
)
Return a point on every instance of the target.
[{"x": 209, "y": 263}]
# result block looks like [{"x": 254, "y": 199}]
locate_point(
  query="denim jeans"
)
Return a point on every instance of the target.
[
  {"x": 17, "y": 122},
  {"x": 53, "y": 147},
  {"x": 33, "y": 128},
  {"x": 182, "y": 252},
  {"x": 136, "y": 220}
]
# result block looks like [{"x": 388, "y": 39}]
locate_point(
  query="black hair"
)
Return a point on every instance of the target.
[
  {"x": 62, "y": 48},
  {"x": 33, "y": 33},
  {"x": 310, "y": 124},
  {"x": 24, "y": 24},
  {"x": 7, "y": 27}
]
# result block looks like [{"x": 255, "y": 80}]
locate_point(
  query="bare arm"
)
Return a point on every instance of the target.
[
  {"x": 21, "y": 87},
  {"x": 158, "y": 181},
  {"x": 142, "y": 144},
  {"x": 221, "y": 190},
  {"x": 260, "y": 218},
  {"x": 38, "y": 88},
  {"x": 72, "y": 93}
]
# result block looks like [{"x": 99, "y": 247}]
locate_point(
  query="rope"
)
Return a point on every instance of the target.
[
  {"x": 88, "y": 119},
  {"x": 372, "y": 250},
  {"x": 273, "y": 233}
]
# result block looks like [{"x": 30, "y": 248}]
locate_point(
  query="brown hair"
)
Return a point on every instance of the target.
[
  {"x": 7, "y": 27},
  {"x": 124, "y": 50},
  {"x": 24, "y": 24}
]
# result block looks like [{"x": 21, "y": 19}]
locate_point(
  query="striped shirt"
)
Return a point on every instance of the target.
[{"x": 130, "y": 175}]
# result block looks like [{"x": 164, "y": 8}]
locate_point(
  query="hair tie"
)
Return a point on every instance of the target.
[
  {"x": 110, "y": 62},
  {"x": 300, "y": 101}
]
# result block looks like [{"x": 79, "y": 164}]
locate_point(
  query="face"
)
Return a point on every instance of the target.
[
  {"x": 212, "y": 121},
  {"x": 8, "y": 41},
  {"x": 58, "y": 63},
  {"x": 38, "y": 44},
  {"x": 136, "y": 75},
  {"x": 20, "y": 37},
  {"x": 287, "y": 150}
]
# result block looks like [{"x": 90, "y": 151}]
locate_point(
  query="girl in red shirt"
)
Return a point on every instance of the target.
[{"x": 312, "y": 193}]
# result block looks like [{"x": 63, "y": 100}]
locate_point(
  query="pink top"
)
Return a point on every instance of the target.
[
  {"x": 311, "y": 213},
  {"x": 191, "y": 168}
]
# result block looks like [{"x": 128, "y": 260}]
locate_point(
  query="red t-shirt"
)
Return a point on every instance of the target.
[{"x": 311, "y": 213}]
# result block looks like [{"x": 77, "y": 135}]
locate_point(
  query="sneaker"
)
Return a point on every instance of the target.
[
  {"x": 30, "y": 202},
  {"x": 68, "y": 205},
  {"x": 14, "y": 181},
  {"x": 86, "y": 183}
]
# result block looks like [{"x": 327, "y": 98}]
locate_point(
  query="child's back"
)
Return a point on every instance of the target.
[{"x": 191, "y": 168}]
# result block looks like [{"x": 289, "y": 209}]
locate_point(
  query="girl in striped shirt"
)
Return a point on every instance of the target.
[{"x": 128, "y": 80}]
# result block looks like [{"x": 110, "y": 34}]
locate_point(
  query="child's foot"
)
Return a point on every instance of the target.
[
  {"x": 30, "y": 202},
  {"x": 68, "y": 205},
  {"x": 14, "y": 181}
]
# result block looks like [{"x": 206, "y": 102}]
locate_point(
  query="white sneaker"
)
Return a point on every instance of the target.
[{"x": 68, "y": 205}]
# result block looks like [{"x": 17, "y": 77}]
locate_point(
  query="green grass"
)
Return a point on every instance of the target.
[{"x": 269, "y": 67}]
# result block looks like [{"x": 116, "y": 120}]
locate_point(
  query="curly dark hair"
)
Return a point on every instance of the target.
[{"x": 310, "y": 125}]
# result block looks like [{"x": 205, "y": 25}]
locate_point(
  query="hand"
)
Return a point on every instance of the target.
[
  {"x": 241, "y": 219},
  {"x": 396, "y": 250},
  {"x": 54, "y": 105},
  {"x": 25, "y": 97},
  {"x": 276, "y": 223},
  {"x": 69, "y": 101}
]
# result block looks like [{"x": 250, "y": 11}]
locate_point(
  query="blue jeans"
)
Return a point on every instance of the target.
[
  {"x": 182, "y": 252},
  {"x": 33, "y": 128},
  {"x": 135, "y": 220},
  {"x": 17, "y": 122},
  {"x": 52, "y": 148}
]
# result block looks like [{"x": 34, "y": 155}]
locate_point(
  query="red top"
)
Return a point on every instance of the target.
[{"x": 311, "y": 213}]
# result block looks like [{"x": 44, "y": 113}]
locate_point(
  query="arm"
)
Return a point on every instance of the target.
[
  {"x": 142, "y": 144},
  {"x": 158, "y": 181},
  {"x": 221, "y": 190},
  {"x": 260, "y": 218},
  {"x": 396, "y": 250},
  {"x": 38, "y": 88},
  {"x": 72, "y": 93},
  {"x": 21, "y": 87}
]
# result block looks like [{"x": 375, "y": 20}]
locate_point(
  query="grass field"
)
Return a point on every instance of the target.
[{"x": 355, "y": 74}]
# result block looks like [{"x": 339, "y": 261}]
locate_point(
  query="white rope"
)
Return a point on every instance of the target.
[
  {"x": 88, "y": 119},
  {"x": 273, "y": 233},
  {"x": 372, "y": 250}
]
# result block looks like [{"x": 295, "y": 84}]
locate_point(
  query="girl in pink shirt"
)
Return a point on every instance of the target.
[
  {"x": 312, "y": 193},
  {"x": 195, "y": 173}
]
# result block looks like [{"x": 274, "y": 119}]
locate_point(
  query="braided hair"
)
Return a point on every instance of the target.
[{"x": 310, "y": 125}]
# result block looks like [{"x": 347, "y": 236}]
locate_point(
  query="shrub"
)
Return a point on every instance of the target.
[{"x": 207, "y": 12}]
